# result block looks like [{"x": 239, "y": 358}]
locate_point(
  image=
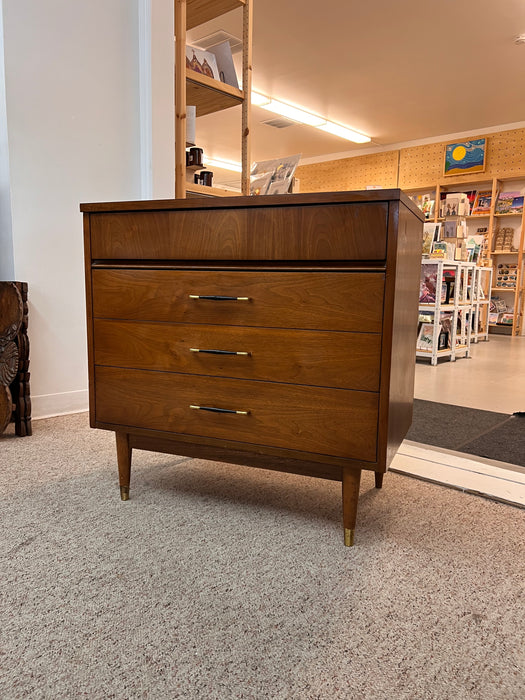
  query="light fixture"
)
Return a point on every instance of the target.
[
  {"x": 294, "y": 113},
  {"x": 224, "y": 164},
  {"x": 300, "y": 115},
  {"x": 259, "y": 100},
  {"x": 344, "y": 133}
]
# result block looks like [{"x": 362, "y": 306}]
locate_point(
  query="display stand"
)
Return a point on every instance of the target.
[
  {"x": 458, "y": 308},
  {"x": 481, "y": 303}
]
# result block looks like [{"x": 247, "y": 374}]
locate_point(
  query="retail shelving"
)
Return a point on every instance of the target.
[
  {"x": 493, "y": 222},
  {"x": 453, "y": 314},
  {"x": 207, "y": 94}
]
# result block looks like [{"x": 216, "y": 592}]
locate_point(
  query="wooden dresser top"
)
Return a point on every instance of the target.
[{"x": 369, "y": 196}]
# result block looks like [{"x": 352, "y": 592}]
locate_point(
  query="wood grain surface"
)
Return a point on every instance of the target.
[
  {"x": 337, "y": 422},
  {"x": 309, "y": 300},
  {"x": 317, "y": 358}
]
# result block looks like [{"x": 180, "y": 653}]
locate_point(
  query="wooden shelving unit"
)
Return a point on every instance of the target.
[
  {"x": 209, "y": 95},
  {"x": 491, "y": 220}
]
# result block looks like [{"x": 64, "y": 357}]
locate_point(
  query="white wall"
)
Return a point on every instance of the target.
[
  {"x": 72, "y": 95},
  {"x": 7, "y": 266},
  {"x": 163, "y": 98}
]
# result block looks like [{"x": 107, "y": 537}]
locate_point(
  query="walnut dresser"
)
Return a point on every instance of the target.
[{"x": 275, "y": 332}]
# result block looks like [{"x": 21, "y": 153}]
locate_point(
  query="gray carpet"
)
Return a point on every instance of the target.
[{"x": 216, "y": 582}]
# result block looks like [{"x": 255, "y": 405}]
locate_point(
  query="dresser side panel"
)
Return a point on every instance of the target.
[{"x": 399, "y": 329}]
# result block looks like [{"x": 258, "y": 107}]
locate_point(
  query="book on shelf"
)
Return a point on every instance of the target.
[
  {"x": 504, "y": 203},
  {"x": 482, "y": 203},
  {"x": 517, "y": 205}
]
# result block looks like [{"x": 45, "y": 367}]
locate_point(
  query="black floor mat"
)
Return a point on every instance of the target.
[{"x": 499, "y": 436}]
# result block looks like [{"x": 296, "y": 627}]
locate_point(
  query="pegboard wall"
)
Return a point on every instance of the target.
[
  {"x": 419, "y": 166},
  {"x": 379, "y": 169}
]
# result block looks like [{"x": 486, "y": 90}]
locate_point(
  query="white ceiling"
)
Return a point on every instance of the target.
[{"x": 396, "y": 71}]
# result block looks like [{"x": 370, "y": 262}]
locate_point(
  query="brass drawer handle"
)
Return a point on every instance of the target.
[
  {"x": 218, "y": 297},
  {"x": 219, "y": 410},
  {"x": 221, "y": 352}
]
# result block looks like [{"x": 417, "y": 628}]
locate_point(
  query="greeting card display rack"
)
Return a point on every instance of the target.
[{"x": 460, "y": 308}]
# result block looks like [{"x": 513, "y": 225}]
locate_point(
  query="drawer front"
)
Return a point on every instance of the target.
[
  {"x": 346, "y": 301},
  {"x": 335, "y": 422},
  {"x": 314, "y": 232},
  {"x": 319, "y": 358}
]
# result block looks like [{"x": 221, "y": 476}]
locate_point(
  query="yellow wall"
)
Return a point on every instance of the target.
[{"x": 412, "y": 168}]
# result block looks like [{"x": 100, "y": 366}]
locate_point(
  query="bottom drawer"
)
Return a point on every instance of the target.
[{"x": 336, "y": 422}]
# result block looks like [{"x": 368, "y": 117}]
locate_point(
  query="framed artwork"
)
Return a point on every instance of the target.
[{"x": 465, "y": 157}]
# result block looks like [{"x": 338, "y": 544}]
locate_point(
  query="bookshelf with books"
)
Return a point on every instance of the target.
[
  {"x": 496, "y": 221},
  {"x": 209, "y": 89}
]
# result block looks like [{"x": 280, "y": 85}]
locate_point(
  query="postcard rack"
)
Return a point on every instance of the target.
[{"x": 446, "y": 306}]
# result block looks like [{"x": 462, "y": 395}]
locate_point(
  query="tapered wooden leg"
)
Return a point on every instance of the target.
[
  {"x": 379, "y": 479},
  {"x": 124, "y": 464},
  {"x": 351, "y": 481}
]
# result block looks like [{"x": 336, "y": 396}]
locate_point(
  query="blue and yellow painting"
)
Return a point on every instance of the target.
[{"x": 465, "y": 157}]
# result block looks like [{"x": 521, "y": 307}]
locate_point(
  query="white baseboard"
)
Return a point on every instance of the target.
[
  {"x": 498, "y": 480},
  {"x": 48, "y": 405}
]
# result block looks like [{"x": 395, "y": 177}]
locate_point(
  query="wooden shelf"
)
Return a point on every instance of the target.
[
  {"x": 504, "y": 252},
  {"x": 510, "y": 214},
  {"x": 445, "y": 351},
  {"x": 200, "y": 11},
  {"x": 193, "y": 190},
  {"x": 209, "y": 95},
  {"x": 503, "y": 289}
]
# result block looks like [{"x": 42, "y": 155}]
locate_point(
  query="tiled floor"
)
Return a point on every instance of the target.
[{"x": 492, "y": 379}]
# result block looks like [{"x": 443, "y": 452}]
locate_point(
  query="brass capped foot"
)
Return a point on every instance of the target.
[
  {"x": 349, "y": 537},
  {"x": 124, "y": 493}
]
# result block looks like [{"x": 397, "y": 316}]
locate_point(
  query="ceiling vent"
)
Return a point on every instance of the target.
[
  {"x": 218, "y": 37},
  {"x": 279, "y": 122}
]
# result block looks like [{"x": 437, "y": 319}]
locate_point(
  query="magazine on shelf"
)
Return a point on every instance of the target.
[
  {"x": 505, "y": 200},
  {"x": 482, "y": 203}
]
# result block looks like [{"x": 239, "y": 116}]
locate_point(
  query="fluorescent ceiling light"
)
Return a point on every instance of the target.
[
  {"x": 344, "y": 133},
  {"x": 224, "y": 164},
  {"x": 294, "y": 113},
  {"x": 259, "y": 100},
  {"x": 299, "y": 115}
]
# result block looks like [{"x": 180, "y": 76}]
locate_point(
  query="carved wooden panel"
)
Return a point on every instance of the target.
[{"x": 15, "y": 401}]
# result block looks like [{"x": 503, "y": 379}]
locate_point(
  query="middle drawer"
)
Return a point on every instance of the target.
[{"x": 316, "y": 358}]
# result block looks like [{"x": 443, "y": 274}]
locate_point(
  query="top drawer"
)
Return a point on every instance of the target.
[{"x": 315, "y": 232}]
